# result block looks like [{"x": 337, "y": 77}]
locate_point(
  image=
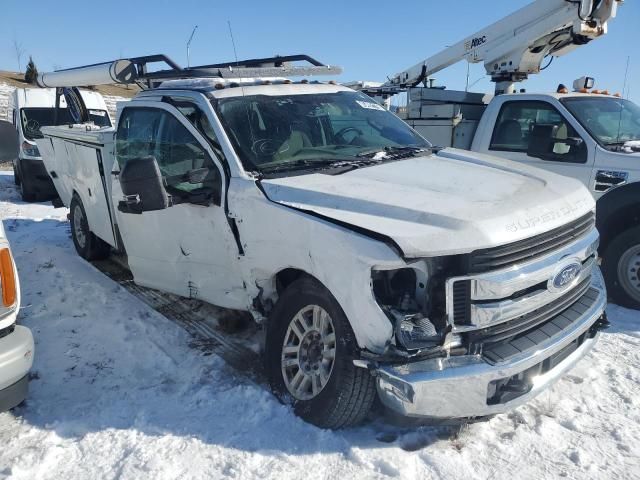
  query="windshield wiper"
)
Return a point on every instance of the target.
[
  {"x": 302, "y": 164},
  {"x": 393, "y": 152}
]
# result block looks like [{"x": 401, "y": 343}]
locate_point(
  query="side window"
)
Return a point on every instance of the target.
[
  {"x": 187, "y": 169},
  {"x": 201, "y": 123},
  {"x": 180, "y": 156},
  {"x": 521, "y": 123},
  {"x": 137, "y": 133}
]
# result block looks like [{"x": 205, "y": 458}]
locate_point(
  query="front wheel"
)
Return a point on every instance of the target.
[
  {"x": 309, "y": 357},
  {"x": 621, "y": 268},
  {"x": 87, "y": 244},
  {"x": 26, "y": 192}
]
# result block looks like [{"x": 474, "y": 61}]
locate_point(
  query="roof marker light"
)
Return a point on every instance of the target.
[{"x": 583, "y": 82}]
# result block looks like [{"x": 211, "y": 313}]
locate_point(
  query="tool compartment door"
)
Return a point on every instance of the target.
[{"x": 78, "y": 166}]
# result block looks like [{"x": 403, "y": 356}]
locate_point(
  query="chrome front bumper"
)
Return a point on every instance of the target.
[{"x": 459, "y": 387}]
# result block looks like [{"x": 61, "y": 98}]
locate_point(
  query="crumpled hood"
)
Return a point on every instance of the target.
[{"x": 451, "y": 202}]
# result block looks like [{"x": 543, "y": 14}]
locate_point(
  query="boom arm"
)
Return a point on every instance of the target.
[{"x": 514, "y": 47}]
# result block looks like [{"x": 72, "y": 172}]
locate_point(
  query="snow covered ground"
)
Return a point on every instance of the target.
[{"x": 117, "y": 393}]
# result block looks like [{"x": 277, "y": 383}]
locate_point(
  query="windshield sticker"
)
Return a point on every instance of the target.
[
  {"x": 370, "y": 105},
  {"x": 97, "y": 113}
]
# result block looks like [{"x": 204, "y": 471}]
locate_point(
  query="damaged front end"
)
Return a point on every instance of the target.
[
  {"x": 413, "y": 299},
  {"x": 481, "y": 333}
]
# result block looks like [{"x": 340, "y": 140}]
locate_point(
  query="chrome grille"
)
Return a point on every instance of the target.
[
  {"x": 512, "y": 328},
  {"x": 504, "y": 309}
]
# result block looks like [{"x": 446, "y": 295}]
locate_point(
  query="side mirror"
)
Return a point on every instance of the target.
[
  {"x": 541, "y": 140},
  {"x": 142, "y": 186},
  {"x": 9, "y": 142}
]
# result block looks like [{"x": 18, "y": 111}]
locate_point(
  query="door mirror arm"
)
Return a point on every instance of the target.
[{"x": 571, "y": 141}]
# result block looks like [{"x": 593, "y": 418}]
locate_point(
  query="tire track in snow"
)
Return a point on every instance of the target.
[{"x": 199, "y": 319}]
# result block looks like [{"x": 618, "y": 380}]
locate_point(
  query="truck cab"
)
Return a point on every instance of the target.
[
  {"x": 30, "y": 109},
  {"x": 593, "y": 137}
]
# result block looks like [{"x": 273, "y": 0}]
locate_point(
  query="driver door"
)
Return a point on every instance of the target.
[
  {"x": 188, "y": 248},
  {"x": 523, "y": 122}
]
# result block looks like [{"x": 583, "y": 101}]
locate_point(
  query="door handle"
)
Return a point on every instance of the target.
[{"x": 608, "y": 179}]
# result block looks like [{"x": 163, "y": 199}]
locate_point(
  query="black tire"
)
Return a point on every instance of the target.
[
  {"x": 620, "y": 259},
  {"x": 16, "y": 177},
  {"x": 87, "y": 244},
  {"x": 26, "y": 192},
  {"x": 349, "y": 393}
]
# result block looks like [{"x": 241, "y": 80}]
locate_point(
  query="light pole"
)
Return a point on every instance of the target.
[{"x": 189, "y": 44}]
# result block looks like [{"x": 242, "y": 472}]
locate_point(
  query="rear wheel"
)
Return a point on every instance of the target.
[
  {"x": 87, "y": 244},
  {"x": 309, "y": 358},
  {"x": 621, "y": 268}
]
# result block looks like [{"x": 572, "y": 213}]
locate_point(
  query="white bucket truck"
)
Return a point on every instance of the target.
[
  {"x": 451, "y": 284},
  {"x": 588, "y": 134}
]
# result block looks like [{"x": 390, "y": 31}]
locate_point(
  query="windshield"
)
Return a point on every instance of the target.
[
  {"x": 34, "y": 118},
  {"x": 612, "y": 121},
  {"x": 283, "y": 132}
]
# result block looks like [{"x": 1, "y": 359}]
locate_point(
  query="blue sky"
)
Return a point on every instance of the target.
[{"x": 369, "y": 40}]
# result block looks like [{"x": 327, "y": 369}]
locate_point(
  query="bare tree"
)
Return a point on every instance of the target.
[{"x": 19, "y": 49}]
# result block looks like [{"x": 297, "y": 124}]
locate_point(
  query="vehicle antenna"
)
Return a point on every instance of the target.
[
  {"x": 193, "y": 32},
  {"x": 624, "y": 85},
  {"x": 233, "y": 42}
]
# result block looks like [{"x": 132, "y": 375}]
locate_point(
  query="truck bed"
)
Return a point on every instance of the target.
[{"x": 79, "y": 160}]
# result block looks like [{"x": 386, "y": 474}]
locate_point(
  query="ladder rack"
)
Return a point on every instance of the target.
[{"x": 136, "y": 70}]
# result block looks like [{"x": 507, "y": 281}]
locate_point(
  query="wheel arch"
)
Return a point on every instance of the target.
[
  {"x": 287, "y": 276},
  {"x": 616, "y": 211}
]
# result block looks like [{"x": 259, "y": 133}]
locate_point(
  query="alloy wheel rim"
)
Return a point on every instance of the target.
[
  {"x": 78, "y": 218},
  {"x": 629, "y": 271},
  {"x": 308, "y": 352}
]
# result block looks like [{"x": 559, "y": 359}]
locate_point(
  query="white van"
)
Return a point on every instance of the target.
[{"x": 32, "y": 108}]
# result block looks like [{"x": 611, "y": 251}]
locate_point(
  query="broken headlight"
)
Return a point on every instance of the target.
[{"x": 413, "y": 298}]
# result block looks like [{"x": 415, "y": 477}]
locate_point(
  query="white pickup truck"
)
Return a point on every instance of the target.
[
  {"x": 451, "y": 283},
  {"x": 588, "y": 135}
]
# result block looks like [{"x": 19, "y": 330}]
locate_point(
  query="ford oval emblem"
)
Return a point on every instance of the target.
[{"x": 565, "y": 277}]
